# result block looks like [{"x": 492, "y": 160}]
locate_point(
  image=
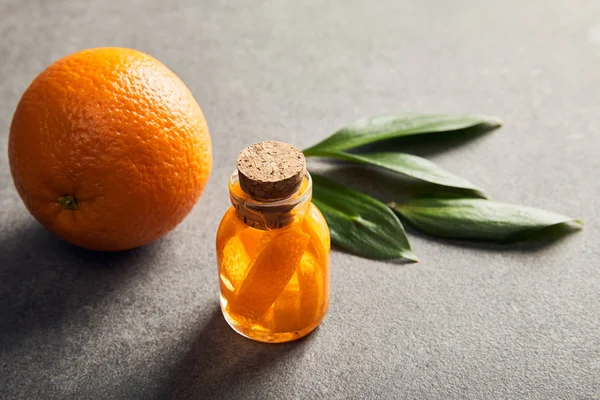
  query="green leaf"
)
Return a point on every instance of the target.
[
  {"x": 374, "y": 129},
  {"x": 480, "y": 219},
  {"x": 359, "y": 223},
  {"x": 409, "y": 165}
]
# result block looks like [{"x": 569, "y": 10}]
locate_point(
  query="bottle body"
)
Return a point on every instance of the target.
[{"x": 273, "y": 261}]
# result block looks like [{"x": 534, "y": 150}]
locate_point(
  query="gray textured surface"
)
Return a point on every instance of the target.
[{"x": 467, "y": 322}]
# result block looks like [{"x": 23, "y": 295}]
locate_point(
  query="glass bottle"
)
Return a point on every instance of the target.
[{"x": 273, "y": 253}]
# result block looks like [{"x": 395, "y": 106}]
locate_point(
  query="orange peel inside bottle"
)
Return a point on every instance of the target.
[{"x": 268, "y": 275}]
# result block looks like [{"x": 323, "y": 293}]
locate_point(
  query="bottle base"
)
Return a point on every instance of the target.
[{"x": 265, "y": 336}]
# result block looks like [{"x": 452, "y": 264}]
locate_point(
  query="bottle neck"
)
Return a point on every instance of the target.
[{"x": 270, "y": 215}]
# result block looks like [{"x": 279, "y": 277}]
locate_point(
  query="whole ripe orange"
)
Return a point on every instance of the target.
[{"x": 108, "y": 149}]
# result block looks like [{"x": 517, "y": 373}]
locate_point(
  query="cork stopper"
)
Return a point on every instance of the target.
[{"x": 271, "y": 170}]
